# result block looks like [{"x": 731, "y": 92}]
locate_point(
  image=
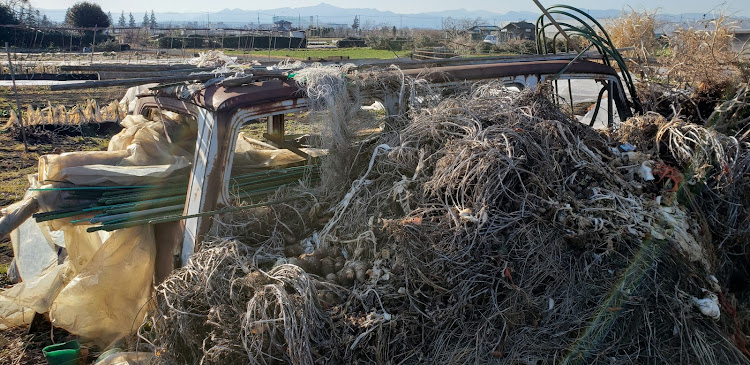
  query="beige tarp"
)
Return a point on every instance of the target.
[
  {"x": 250, "y": 154},
  {"x": 141, "y": 153},
  {"x": 101, "y": 289}
]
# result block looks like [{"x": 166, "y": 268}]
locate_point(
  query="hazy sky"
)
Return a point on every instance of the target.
[{"x": 736, "y": 7}]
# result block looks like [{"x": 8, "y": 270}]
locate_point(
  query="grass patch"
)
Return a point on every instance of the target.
[
  {"x": 17, "y": 164},
  {"x": 14, "y": 184},
  {"x": 294, "y": 125}
]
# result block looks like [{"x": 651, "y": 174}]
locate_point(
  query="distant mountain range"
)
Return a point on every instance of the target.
[{"x": 325, "y": 14}]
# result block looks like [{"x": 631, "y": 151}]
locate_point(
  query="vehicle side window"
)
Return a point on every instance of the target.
[{"x": 269, "y": 153}]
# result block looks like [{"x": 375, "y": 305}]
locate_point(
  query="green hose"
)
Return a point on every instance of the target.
[{"x": 596, "y": 35}]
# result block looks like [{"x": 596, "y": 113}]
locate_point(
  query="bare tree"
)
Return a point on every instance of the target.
[{"x": 454, "y": 27}]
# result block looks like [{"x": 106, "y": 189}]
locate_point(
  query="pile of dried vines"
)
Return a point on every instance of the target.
[{"x": 483, "y": 227}]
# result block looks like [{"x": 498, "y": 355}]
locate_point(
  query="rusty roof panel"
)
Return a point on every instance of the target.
[{"x": 219, "y": 98}]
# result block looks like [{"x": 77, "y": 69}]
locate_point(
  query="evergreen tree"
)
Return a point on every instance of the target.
[
  {"x": 355, "y": 25},
  {"x": 131, "y": 23},
  {"x": 121, "y": 21},
  {"x": 7, "y": 16},
  {"x": 30, "y": 18},
  {"x": 152, "y": 20},
  {"x": 86, "y": 15},
  {"x": 109, "y": 17},
  {"x": 146, "y": 21}
]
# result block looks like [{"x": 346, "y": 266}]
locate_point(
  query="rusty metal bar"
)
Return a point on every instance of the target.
[{"x": 132, "y": 82}]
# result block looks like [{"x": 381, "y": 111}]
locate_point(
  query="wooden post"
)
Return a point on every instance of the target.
[
  {"x": 559, "y": 28},
  {"x": 18, "y": 104},
  {"x": 276, "y": 126},
  {"x": 93, "y": 44},
  {"x": 183, "y": 39}
]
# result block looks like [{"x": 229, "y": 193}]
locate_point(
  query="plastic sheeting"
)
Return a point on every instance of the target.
[
  {"x": 19, "y": 303},
  {"x": 121, "y": 175},
  {"x": 602, "y": 119},
  {"x": 101, "y": 290},
  {"x": 33, "y": 245},
  {"x": 249, "y": 154},
  {"x": 12, "y": 216},
  {"x": 107, "y": 298},
  {"x": 213, "y": 59},
  {"x": 127, "y": 358},
  {"x": 99, "y": 293},
  {"x": 141, "y": 153},
  {"x": 131, "y": 96},
  {"x": 33, "y": 249}
]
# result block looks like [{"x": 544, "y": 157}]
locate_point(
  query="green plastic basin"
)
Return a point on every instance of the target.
[{"x": 66, "y": 353}]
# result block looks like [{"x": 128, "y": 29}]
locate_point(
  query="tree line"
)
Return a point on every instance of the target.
[
  {"x": 22, "y": 26},
  {"x": 82, "y": 14}
]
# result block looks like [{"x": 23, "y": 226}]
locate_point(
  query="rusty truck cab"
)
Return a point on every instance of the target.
[{"x": 219, "y": 112}]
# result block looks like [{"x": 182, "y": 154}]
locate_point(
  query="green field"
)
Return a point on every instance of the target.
[{"x": 303, "y": 54}]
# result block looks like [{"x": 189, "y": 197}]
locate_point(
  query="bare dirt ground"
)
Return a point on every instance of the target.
[
  {"x": 15, "y": 163},
  {"x": 22, "y": 346},
  {"x": 41, "y": 96}
]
